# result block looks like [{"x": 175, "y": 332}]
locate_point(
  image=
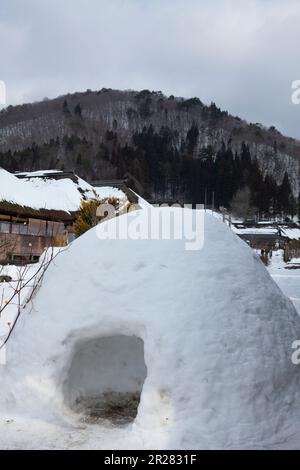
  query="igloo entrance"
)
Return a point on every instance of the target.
[{"x": 105, "y": 379}]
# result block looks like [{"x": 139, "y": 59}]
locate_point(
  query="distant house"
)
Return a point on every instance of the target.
[
  {"x": 291, "y": 235},
  {"x": 266, "y": 237},
  {"x": 261, "y": 238}
]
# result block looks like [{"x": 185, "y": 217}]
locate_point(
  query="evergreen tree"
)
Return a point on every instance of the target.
[
  {"x": 78, "y": 110},
  {"x": 192, "y": 138},
  {"x": 286, "y": 199},
  {"x": 65, "y": 107}
]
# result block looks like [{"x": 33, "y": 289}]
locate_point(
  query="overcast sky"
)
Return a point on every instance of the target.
[{"x": 243, "y": 55}]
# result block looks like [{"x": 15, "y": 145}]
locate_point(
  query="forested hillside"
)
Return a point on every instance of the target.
[{"x": 175, "y": 148}]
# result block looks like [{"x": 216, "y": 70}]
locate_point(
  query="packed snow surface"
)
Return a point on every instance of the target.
[{"x": 217, "y": 338}]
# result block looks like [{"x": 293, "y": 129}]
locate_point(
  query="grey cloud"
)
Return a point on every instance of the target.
[{"x": 242, "y": 55}]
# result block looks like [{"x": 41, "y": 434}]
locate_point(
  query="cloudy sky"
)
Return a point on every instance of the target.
[{"x": 243, "y": 55}]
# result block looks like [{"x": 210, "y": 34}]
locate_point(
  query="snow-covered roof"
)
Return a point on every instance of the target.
[
  {"x": 107, "y": 192},
  {"x": 255, "y": 230},
  {"x": 265, "y": 230},
  {"x": 40, "y": 173},
  {"x": 39, "y": 192},
  {"x": 217, "y": 335},
  {"x": 291, "y": 233}
]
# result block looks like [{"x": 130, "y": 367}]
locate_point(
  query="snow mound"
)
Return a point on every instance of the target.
[{"x": 201, "y": 339}]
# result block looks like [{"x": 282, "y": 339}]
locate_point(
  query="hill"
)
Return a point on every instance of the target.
[{"x": 171, "y": 145}]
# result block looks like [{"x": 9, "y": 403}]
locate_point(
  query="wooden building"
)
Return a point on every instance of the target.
[
  {"x": 26, "y": 232},
  {"x": 267, "y": 238}
]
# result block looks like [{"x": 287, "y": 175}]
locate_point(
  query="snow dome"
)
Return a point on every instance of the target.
[{"x": 142, "y": 343}]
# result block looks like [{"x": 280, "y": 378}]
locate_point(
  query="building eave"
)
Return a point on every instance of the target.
[{"x": 16, "y": 210}]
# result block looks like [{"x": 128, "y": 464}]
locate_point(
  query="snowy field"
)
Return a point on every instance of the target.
[{"x": 287, "y": 278}]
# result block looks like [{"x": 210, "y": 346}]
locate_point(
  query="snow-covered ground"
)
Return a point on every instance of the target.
[
  {"x": 217, "y": 336},
  {"x": 287, "y": 278}
]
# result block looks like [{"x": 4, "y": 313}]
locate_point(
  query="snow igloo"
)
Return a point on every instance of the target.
[{"x": 178, "y": 348}]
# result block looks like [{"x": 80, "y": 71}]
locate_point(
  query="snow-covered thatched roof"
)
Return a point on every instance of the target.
[{"x": 41, "y": 191}]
